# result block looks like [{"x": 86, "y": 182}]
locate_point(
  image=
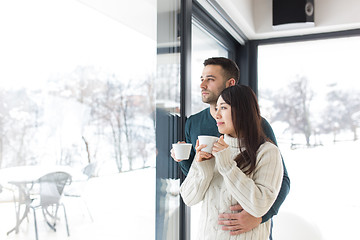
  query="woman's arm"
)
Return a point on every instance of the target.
[
  {"x": 257, "y": 194},
  {"x": 196, "y": 183}
]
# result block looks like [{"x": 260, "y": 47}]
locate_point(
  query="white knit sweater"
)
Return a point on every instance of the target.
[{"x": 219, "y": 183}]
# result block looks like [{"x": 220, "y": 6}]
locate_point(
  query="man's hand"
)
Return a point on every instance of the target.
[
  {"x": 173, "y": 153},
  {"x": 238, "y": 223}
]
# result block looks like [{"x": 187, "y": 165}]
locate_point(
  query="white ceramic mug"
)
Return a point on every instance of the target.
[
  {"x": 182, "y": 150},
  {"x": 208, "y": 141}
]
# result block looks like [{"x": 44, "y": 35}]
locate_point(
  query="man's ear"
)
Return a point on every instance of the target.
[{"x": 230, "y": 82}]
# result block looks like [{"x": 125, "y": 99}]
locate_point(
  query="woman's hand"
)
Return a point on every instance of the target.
[
  {"x": 201, "y": 155},
  {"x": 219, "y": 145}
]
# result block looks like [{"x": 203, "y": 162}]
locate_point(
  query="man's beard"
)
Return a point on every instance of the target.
[{"x": 210, "y": 98}]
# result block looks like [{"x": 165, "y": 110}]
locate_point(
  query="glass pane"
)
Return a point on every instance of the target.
[
  {"x": 204, "y": 46},
  {"x": 310, "y": 93},
  {"x": 76, "y": 90},
  {"x": 167, "y": 116}
]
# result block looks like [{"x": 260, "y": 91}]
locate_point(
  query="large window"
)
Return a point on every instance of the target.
[
  {"x": 77, "y": 88},
  {"x": 204, "y": 46},
  {"x": 310, "y": 93}
]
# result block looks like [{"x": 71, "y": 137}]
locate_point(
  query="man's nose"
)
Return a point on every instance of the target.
[{"x": 203, "y": 84}]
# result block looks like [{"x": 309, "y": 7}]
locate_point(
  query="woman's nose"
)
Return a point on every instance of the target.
[{"x": 217, "y": 114}]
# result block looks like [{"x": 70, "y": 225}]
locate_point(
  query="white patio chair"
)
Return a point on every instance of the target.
[{"x": 51, "y": 190}]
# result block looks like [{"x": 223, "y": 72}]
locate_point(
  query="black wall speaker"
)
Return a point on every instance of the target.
[{"x": 297, "y": 12}]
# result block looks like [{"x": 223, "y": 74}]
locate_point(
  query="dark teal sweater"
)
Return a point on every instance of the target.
[{"x": 203, "y": 123}]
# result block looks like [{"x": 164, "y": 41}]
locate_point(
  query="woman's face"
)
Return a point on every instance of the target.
[{"x": 223, "y": 118}]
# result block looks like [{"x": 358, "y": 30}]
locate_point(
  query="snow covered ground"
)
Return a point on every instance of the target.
[
  {"x": 324, "y": 192},
  {"x": 324, "y": 200},
  {"x": 122, "y": 207}
]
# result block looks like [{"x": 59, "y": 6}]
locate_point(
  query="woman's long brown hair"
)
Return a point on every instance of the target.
[{"x": 245, "y": 114}]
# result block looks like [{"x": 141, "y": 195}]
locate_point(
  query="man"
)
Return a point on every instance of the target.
[{"x": 218, "y": 74}]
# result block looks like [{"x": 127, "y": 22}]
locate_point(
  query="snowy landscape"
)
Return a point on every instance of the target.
[{"x": 323, "y": 201}]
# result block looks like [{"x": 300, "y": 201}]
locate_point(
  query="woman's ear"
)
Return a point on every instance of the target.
[{"x": 230, "y": 82}]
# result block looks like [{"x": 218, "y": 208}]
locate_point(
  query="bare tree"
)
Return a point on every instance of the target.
[
  {"x": 149, "y": 105},
  {"x": 107, "y": 111},
  {"x": 342, "y": 112},
  {"x": 293, "y": 107},
  {"x": 138, "y": 110},
  {"x": 169, "y": 80},
  {"x": 128, "y": 114},
  {"x": 18, "y": 113},
  {"x": 114, "y": 106},
  {"x": 87, "y": 149},
  {"x": 80, "y": 85}
]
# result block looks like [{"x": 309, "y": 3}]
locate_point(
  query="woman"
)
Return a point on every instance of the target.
[{"x": 243, "y": 168}]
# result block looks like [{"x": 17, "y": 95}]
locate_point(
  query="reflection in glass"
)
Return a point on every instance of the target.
[{"x": 309, "y": 92}]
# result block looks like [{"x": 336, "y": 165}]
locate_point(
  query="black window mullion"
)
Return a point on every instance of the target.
[{"x": 185, "y": 105}]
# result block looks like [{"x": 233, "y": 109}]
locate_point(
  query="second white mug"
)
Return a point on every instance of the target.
[{"x": 182, "y": 150}]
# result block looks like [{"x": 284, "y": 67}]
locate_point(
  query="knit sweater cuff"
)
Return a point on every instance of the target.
[
  {"x": 206, "y": 167},
  {"x": 224, "y": 160}
]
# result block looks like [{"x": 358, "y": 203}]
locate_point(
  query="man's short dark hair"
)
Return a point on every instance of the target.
[{"x": 231, "y": 70}]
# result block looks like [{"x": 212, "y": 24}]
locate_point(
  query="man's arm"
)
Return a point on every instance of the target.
[
  {"x": 186, "y": 164},
  {"x": 285, "y": 186}
]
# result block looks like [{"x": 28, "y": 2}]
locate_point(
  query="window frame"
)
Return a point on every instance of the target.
[{"x": 191, "y": 11}]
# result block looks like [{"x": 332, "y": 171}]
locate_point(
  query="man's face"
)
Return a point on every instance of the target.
[{"x": 212, "y": 83}]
